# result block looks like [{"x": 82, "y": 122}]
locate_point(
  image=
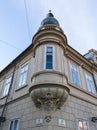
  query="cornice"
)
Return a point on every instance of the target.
[
  {"x": 18, "y": 58},
  {"x": 49, "y": 72},
  {"x": 48, "y": 40},
  {"x": 79, "y": 59},
  {"x": 50, "y": 32}
]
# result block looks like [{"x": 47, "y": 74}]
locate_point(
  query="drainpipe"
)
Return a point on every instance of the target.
[
  {"x": 94, "y": 78},
  {"x": 2, "y": 118},
  {"x": 94, "y": 119},
  {"x": 94, "y": 81}
]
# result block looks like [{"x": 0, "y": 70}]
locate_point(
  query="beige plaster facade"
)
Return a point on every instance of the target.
[{"x": 50, "y": 99}]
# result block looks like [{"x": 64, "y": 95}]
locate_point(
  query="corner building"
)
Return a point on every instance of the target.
[{"x": 49, "y": 86}]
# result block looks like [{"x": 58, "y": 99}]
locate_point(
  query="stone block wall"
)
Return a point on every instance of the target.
[{"x": 73, "y": 109}]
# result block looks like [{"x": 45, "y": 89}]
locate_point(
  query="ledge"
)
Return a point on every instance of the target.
[
  {"x": 50, "y": 72},
  {"x": 82, "y": 94},
  {"x": 17, "y": 89},
  {"x": 82, "y": 90}
]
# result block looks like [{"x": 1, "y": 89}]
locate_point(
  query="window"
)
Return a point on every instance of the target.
[
  {"x": 82, "y": 124},
  {"x": 34, "y": 65},
  {"x": 7, "y": 85},
  {"x": 1, "y": 85},
  {"x": 23, "y": 75},
  {"x": 96, "y": 124},
  {"x": 49, "y": 58},
  {"x": 96, "y": 59},
  {"x": 14, "y": 124},
  {"x": 75, "y": 79},
  {"x": 90, "y": 83},
  {"x": 63, "y": 62}
]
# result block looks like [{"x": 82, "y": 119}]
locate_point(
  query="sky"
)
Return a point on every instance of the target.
[{"x": 20, "y": 20}]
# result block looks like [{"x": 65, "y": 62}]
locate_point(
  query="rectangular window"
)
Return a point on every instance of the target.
[
  {"x": 23, "y": 75},
  {"x": 7, "y": 85},
  {"x": 75, "y": 79},
  {"x": 63, "y": 62},
  {"x": 49, "y": 58},
  {"x": 14, "y": 124},
  {"x": 82, "y": 124},
  {"x": 96, "y": 124},
  {"x": 90, "y": 83},
  {"x": 34, "y": 65},
  {"x": 1, "y": 85}
]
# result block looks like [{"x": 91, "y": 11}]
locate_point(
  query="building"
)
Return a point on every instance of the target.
[{"x": 49, "y": 86}]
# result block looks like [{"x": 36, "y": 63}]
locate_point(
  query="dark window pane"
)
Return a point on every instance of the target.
[
  {"x": 49, "y": 62},
  {"x": 49, "y": 49},
  {"x": 11, "y": 125},
  {"x": 15, "y": 124}
]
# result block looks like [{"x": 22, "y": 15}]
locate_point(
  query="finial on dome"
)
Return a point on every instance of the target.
[
  {"x": 50, "y": 14},
  {"x": 50, "y": 11}
]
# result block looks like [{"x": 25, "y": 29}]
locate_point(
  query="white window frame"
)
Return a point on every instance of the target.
[
  {"x": 21, "y": 76},
  {"x": 89, "y": 82},
  {"x": 63, "y": 63},
  {"x": 77, "y": 71},
  {"x": 14, "y": 123},
  {"x": 7, "y": 85},
  {"x": 52, "y": 55},
  {"x": 1, "y": 87},
  {"x": 96, "y": 124},
  {"x": 34, "y": 64},
  {"x": 82, "y": 120}
]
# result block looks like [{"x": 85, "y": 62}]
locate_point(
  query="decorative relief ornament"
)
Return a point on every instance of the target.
[{"x": 49, "y": 98}]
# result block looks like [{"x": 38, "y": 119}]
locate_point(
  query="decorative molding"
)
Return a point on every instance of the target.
[
  {"x": 49, "y": 97},
  {"x": 49, "y": 72}
]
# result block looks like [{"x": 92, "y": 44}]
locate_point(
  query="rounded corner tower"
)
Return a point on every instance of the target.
[{"x": 49, "y": 88}]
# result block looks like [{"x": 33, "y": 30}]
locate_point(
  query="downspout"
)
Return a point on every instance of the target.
[
  {"x": 2, "y": 118},
  {"x": 94, "y": 81},
  {"x": 94, "y": 119},
  {"x": 94, "y": 78}
]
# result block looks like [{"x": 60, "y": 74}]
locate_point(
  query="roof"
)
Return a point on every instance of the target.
[{"x": 50, "y": 20}]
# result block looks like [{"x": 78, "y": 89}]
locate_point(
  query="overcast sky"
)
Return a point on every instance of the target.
[{"x": 78, "y": 19}]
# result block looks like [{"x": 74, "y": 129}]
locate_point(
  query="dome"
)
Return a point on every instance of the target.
[{"x": 50, "y": 20}]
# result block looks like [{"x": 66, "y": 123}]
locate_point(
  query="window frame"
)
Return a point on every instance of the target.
[
  {"x": 34, "y": 64},
  {"x": 53, "y": 57},
  {"x": 63, "y": 63},
  {"x": 96, "y": 124},
  {"x": 21, "y": 76},
  {"x": 89, "y": 75},
  {"x": 1, "y": 87},
  {"x": 82, "y": 120},
  {"x": 6, "y": 85},
  {"x": 77, "y": 72},
  {"x": 14, "y": 119}
]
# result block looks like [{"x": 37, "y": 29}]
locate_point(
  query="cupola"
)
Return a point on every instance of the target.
[{"x": 50, "y": 20}]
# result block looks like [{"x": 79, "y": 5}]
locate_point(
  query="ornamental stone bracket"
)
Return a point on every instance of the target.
[{"x": 49, "y": 97}]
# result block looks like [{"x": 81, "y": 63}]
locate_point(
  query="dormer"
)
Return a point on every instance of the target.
[{"x": 91, "y": 55}]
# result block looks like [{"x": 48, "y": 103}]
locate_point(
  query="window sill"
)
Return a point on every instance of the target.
[
  {"x": 2, "y": 97},
  {"x": 83, "y": 90},
  {"x": 22, "y": 87},
  {"x": 74, "y": 85},
  {"x": 49, "y": 69}
]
